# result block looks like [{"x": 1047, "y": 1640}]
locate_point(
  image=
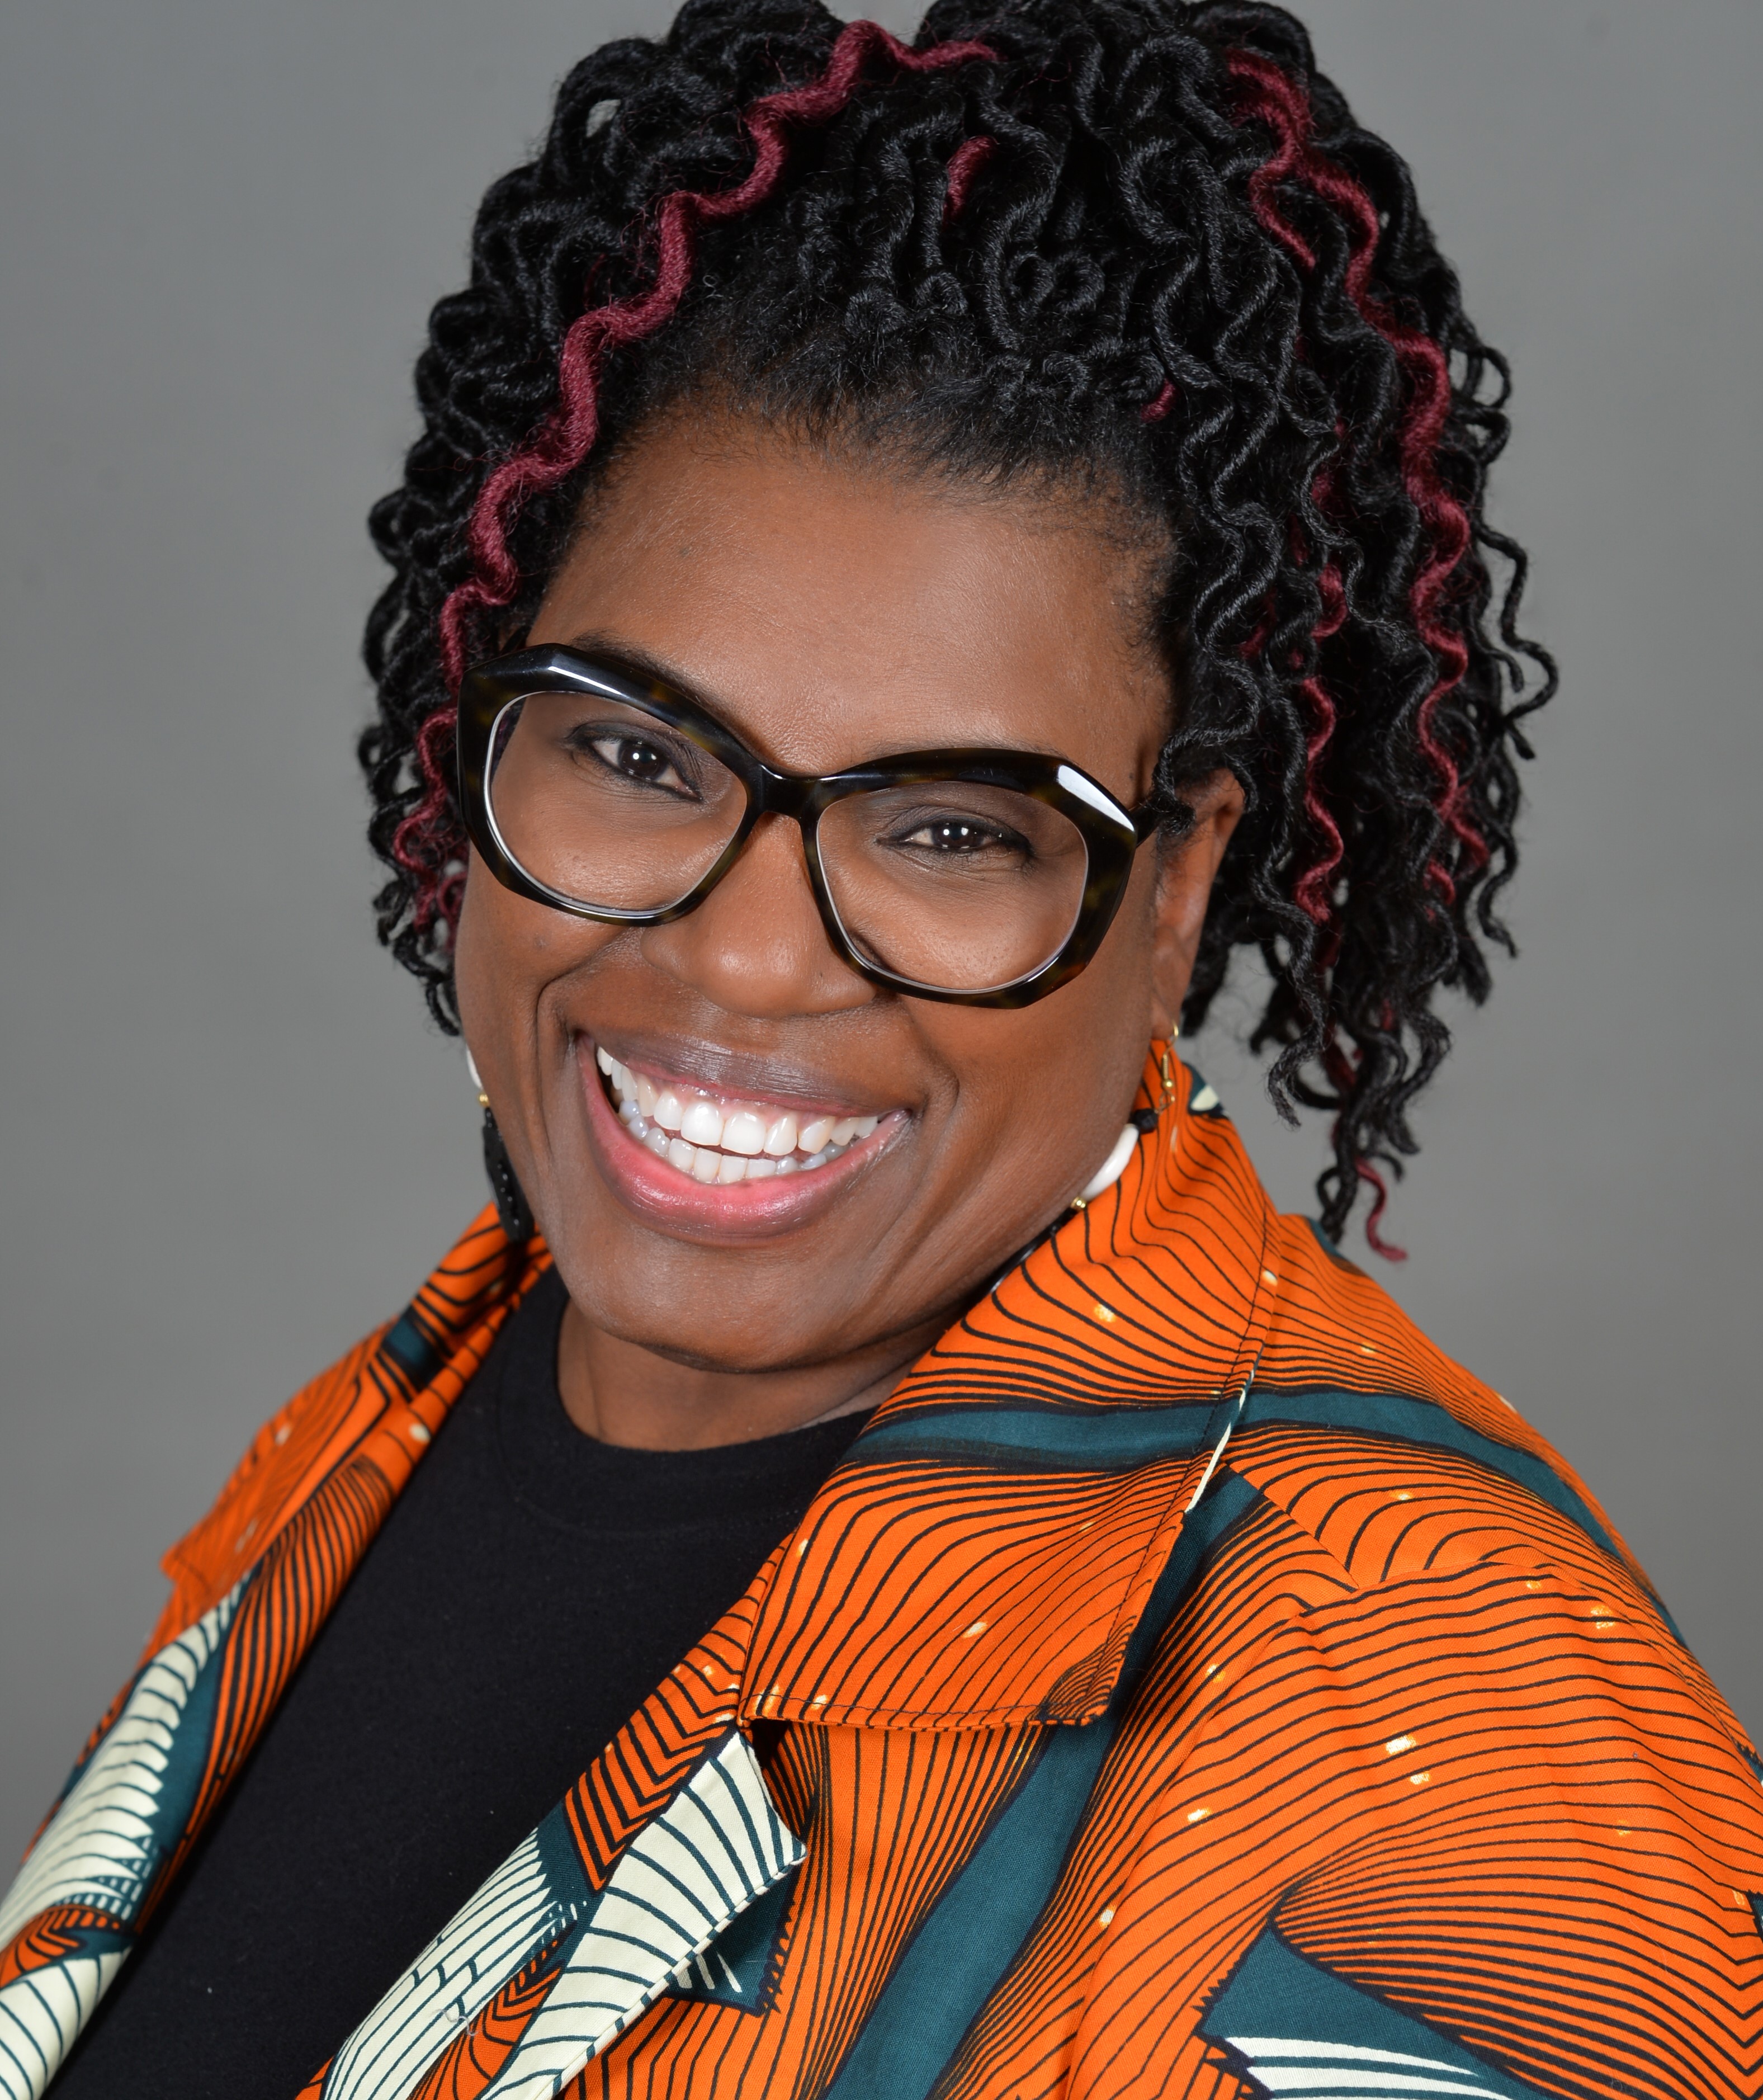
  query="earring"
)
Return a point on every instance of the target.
[
  {"x": 512, "y": 1212},
  {"x": 1139, "y": 1124}
]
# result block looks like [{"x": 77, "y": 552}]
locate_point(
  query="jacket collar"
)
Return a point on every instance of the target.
[{"x": 985, "y": 1551}]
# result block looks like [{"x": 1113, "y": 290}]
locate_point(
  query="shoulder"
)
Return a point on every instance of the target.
[
  {"x": 335, "y": 1457},
  {"x": 1415, "y": 1727},
  {"x": 1387, "y": 1453},
  {"x": 1390, "y": 1549}
]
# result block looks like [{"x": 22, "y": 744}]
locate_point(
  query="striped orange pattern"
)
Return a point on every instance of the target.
[{"x": 1193, "y": 1682}]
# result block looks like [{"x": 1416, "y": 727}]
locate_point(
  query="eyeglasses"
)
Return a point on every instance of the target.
[{"x": 986, "y": 878}]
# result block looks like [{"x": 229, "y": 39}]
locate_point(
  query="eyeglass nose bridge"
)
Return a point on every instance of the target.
[
  {"x": 770, "y": 793},
  {"x": 803, "y": 799}
]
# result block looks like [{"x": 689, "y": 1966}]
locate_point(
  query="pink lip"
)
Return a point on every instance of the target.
[{"x": 661, "y": 1196}]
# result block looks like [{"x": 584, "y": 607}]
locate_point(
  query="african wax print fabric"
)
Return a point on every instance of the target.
[{"x": 1193, "y": 1682}]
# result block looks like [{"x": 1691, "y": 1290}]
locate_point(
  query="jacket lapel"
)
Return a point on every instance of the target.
[
  {"x": 539, "y": 1971},
  {"x": 995, "y": 1532}
]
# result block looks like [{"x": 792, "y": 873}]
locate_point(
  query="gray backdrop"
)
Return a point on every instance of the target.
[{"x": 231, "y": 1141}]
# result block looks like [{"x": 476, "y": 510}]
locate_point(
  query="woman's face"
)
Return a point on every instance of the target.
[{"x": 828, "y": 614}]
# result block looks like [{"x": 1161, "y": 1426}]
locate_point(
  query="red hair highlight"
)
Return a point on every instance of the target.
[
  {"x": 1380, "y": 1198},
  {"x": 1339, "y": 1067},
  {"x": 567, "y": 437},
  {"x": 965, "y": 164},
  {"x": 1271, "y": 96}
]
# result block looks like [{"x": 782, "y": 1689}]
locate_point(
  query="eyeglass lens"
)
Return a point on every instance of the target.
[{"x": 957, "y": 885}]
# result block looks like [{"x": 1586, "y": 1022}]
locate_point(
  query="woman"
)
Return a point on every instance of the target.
[{"x": 882, "y": 1566}]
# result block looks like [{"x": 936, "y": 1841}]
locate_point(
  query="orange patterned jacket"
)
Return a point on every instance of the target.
[{"x": 1192, "y": 1683}]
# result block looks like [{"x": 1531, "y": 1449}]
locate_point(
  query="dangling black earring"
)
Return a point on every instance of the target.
[{"x": 513, "y": 1212}]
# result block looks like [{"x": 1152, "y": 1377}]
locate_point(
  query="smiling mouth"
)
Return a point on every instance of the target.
[{"x": 710, "y": 1137}]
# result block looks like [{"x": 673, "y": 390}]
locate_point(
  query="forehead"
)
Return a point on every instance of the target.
[{"x": 831, "y": 611}]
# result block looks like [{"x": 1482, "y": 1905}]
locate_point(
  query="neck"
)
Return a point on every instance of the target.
[{"x": 622, "y": 1393}]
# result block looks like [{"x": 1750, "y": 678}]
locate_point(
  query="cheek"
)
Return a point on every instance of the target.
[
  {"x": 506, "y": 952},
  {"x": 1104, "y": 1016},
  {"x": 485, "y": 968},
  {"x": 1051, "y": 1082}
]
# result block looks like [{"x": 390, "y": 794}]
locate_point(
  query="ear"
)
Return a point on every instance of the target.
[{"x": 1184, "y": 889}]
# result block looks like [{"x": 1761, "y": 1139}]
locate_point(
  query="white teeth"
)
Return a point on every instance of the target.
[
  {"x": 702, "y": 1123},
  {"x": 744, "y": 1132},
  {"x": 725, "y": 1145}
]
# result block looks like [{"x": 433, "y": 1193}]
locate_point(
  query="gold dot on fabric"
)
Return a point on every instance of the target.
[
  {"x": 1107, "y": 1918},
  {"x": 1269, "y": 1277},
  {"x": 1418, "y": 1779},
  {"x": 282, "y": 1433},
  {"x": 1368, "y": 1349},
  {"x": 974, "y": 1631},
  {"x": 1104, "y": 1313},
  {"x": 419, "y": 1433},
  {"x": 1198, "y": 1815},
  {"x": 819, "y": 1699},
  {"x": 1401, "y": 1495},
  {"x": 801, "y": 1548},
  {"x": 1396, "y": 1745}
]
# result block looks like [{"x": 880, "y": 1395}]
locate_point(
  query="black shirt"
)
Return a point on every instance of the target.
[{"x": 530, "y": 1587}]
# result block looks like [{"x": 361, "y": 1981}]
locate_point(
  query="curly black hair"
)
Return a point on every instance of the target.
[{"x": 1125, "y": 238}]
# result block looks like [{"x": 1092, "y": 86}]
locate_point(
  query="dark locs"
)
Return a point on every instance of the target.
[{"x": 1139, "y": 243}]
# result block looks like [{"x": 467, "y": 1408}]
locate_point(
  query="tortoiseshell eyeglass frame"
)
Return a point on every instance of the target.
[{"x": 1112, "y": 835}]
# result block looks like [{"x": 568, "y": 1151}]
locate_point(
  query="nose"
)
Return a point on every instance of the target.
[{"x": 756, "y": 945}]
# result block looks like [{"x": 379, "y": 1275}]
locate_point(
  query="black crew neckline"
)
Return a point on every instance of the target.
[{"x": 570, "y": 1478}]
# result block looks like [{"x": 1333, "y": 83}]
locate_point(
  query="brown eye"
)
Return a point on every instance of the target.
[
  {"x": 637, "y": 758},
  {"x": 960, "y": 838}
]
